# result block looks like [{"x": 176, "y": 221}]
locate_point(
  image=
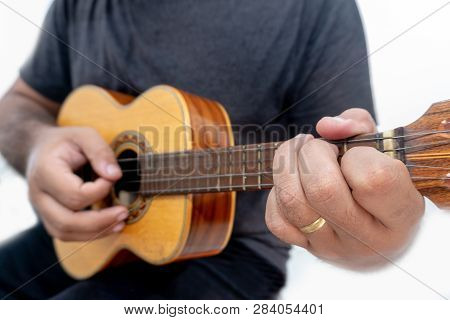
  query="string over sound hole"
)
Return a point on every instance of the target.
[
  {"x": 127, "y": 188},
  {"x": 128, "y": 147}
]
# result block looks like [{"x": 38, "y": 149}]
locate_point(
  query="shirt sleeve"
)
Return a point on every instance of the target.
[
  {"x": 47, "y": 70},
  {"x": 333, "y": 72}
]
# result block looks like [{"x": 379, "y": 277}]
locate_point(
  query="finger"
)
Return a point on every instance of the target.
[
  {"x": 327, "y": 191},
  {"x": 323, "y": 243},
  {"x": 99, "y": 153},
  {"x": 280, "y": 227},
  {"x": 350, "y": 123},
  {"x": 382, "y": 186},
  {"x": 83, "y": 225},
  {"x": 69, "y": 189},
  {"x": 287, "y": 187},
  {"x": 291, "y": 203}
]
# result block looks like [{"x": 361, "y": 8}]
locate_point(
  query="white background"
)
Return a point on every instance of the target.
[{"x": 408, "y": 75}]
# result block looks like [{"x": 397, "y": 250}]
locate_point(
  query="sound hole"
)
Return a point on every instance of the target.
[{"x": 127, "y": 188}]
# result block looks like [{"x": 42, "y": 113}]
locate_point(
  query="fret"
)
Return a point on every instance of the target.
[
  {"x": 219, "y": 168},
  {"x": 343, "y": 146},
  {"x": 230, "y": 163},
  {"x": 203, "y": 189},
  {"x": 237, "y": 168},
  {"x": 207, "y": 168},
  {"x": 243, "y": 165},
  {"x": 195, "y": 165},
  {"x": 379, "y": 142},
  {"x": 259, "y": 167},
  {"x": 177, "y": 177}
]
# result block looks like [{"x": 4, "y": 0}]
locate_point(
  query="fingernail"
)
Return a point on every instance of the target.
[
  {"x": 118, "y": 227},
  {"x": 122, "y": 216},
  {"x": 339, "y": 119},
  {"x": 304, "y": 137},
  {"x": 367, "y": 127},
  {"x": 112, "y": 170}
]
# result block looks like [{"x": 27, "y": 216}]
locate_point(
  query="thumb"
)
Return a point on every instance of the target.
[
  {"x": 350, "y": 123},
  {"x": 99, "y": 153}
]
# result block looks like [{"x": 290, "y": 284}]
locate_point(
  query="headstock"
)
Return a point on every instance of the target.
[{"x": 427, "y": 153}]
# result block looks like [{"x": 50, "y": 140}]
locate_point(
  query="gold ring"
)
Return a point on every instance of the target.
[{"x": 316, "y": 225}]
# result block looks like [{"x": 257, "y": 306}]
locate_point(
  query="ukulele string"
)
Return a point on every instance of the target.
[
  {"x": 205, "y": 176},
  {"x": 247, "y": 162},
  {"x": 204, "y": 189},
  {"x": 266, "y": 185},
  {"x": 226, "y": 188},
  {"x": 426, "y": 167},
  {"x": 408, "y": 150},
  {"x": 420, "y": 134},
  {"x": 421, "y": 147},
  {"x": 421, "y": 178},
  {"x": 215, "y": 176},
  {"x": 275, "y": 145},
  {"x": 208, "y": 152},
  {"x": 222, "y": 188},
  {"x": 190, "y": 178}
]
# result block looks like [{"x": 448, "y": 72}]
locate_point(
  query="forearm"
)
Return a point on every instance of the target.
[{"x": 22, "y": 121}]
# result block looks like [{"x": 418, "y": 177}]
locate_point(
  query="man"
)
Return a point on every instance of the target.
[{"x": 258, "y": 58}]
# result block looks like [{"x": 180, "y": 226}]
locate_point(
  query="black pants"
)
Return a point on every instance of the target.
[{"x": 28, "y": 271}]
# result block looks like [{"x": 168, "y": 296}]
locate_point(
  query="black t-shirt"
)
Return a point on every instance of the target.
[{"x": 255, "y": 57}]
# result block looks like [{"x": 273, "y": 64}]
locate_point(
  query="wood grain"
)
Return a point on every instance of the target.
[
  {"x": 430, "y": 167},
  {"x": 212, "y": 213}
]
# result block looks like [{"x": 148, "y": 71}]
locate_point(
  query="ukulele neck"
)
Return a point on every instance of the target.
[{"x": 238, "y": 168}]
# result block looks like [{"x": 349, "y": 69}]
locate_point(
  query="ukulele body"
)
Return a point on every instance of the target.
[{"x": 161, "y": 228}]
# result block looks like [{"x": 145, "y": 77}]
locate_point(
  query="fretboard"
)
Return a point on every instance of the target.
[{"x": 236, "y": 168}]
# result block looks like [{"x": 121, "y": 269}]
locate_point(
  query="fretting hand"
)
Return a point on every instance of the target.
[{"x": 359, "y": 213}]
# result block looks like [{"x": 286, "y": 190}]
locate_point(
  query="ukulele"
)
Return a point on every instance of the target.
[{"x": 181, "y": 171}]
